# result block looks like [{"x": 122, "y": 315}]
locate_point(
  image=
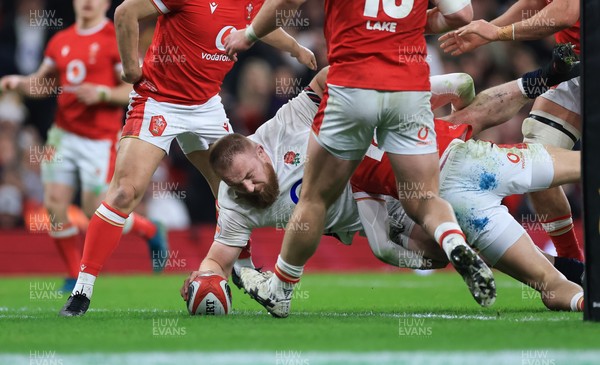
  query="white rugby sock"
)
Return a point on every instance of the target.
[
  {"x": 84, "y": 285},
  {"x": 288, "y": 271},
  {"x": 286, "y": 275},
  {"x": 449, "y": 235},
  {"x": 577, "y": 302}
]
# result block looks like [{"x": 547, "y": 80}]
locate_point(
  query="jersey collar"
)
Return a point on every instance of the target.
[{"x": 92, "y": 30}]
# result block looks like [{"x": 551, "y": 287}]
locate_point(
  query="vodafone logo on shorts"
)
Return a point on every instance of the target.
[
  {"x": 423, "y": 133},
  {"x": 223, "y": 33}
]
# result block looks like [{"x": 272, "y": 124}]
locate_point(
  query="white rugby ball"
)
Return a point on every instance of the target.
[{"x": 209, "y": 294}]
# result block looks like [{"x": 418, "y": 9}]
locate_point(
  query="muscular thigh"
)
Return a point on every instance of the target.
[{"x": 346, "y": 121}]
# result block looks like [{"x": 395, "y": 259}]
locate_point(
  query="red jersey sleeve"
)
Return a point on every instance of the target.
[{"x": 52, "y": 50}]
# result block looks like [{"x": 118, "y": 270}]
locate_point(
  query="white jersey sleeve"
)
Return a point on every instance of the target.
[{"x": 233, "y": 229}]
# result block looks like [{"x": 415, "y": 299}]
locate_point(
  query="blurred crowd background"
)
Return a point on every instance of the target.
[{"x": 262, "y": 81}]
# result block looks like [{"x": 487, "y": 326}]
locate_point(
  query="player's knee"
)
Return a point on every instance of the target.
[
  {"x": 55, "y": 203},
  {"x": 123, "y": 196},
  {"x": 547, "y": 129},
  {"x": 418, "y": 209}
]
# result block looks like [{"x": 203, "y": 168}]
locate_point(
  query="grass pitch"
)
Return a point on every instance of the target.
[{"x": 383, "y": 318}]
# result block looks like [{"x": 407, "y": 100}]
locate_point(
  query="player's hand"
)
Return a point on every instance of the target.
[
  {"x": 186, "y": 283},
  {"x": 482, "y": 28},
  {"x": 88, "y": 94},
  {"x": 456, "y": 45},
  {"x": 236, "y": 42},
  {"x": 10, "y": 82},
  {"x": 131, "y": 76},
  {"x": 306, "y": 57}
]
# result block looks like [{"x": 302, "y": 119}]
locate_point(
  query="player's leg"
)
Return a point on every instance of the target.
[
  {"x": 436, "y": 217},
  {"x": 57, "y": 198},
  {"x": 154, "y": 233},
  {"x": 199, "y": 159},
  {"x": 572, "y": 269},
  {"x": 567, "y": 165},
  {"x": 211, "y": 124},
  {"x": 319, "y": 192},
  {"x": 409, "y": 139},
  {"x": 96, "y": 167},
  {"x": 525, "y": 263},
  {"x": 553, "y": 124},
  {"x": 304, "y": 229},
  {"x": 389, "y": 235},
  {"x": 343, "y": 129},
  {"x": 59, "y": 175},
  {"x": 125, "y": 191}
]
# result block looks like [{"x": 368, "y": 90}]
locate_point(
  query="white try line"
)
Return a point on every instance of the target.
[
  {"x": 293, "y": 357},
  {"x": 31, "y": 313}
]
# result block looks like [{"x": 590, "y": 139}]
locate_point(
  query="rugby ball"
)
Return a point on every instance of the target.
[{"x": 209, "y": 295}]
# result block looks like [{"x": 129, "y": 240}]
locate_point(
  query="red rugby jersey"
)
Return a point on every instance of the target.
[
  {"x": 86, "y": 56},
  {"x": 376, "y": 44},
  {"x": 186, "y": 62}
]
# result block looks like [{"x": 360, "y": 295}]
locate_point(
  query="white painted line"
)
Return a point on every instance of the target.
[
  {"x": 25, "y": 312},
  {"x": 292, "y": 357}
]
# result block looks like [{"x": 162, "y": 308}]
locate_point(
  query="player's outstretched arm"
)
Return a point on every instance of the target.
[
  {"x": 491, "y": 107},
  {"x": 42, "y": 83},
  {"x": 219, "y": 260},
  {"x": 556, "y": 16},
  {"x": 498, "y": 104},
  {"x": 127, "y": 17},
  {"x": 451, "y": 43},
  {"x": 281, "y": 40},
  {"x": 266, "y": 21},
  {"x": 448, "y": 15}
]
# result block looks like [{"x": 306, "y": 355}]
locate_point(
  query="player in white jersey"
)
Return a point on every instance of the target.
[
  {"x": 248, "y": 198},
  {"x": 281, "y": 145}
]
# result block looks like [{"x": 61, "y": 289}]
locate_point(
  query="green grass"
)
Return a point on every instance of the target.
[{"x": 330, "y": 312}]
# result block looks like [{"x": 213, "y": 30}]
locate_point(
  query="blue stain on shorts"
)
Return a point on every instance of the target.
[
  {"x": 479, "y": 223},
  {"x": 487, "y": 181}
]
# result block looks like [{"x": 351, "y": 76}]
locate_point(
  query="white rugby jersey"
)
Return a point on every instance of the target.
[{"x": 285, "y": 139}]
